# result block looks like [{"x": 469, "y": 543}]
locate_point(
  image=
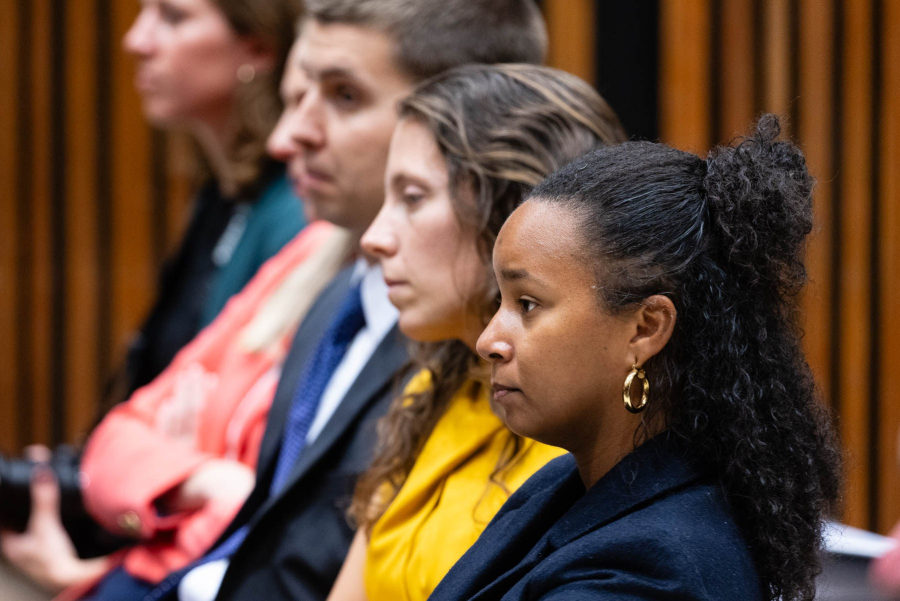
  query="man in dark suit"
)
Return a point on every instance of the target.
[{"x": 354, "y": 60}]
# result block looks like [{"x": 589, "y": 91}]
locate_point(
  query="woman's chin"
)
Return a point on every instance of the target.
[
  {"x": 417, "y": 331},
  {"x": 511, "y": 419},
  {"x": 161, "y": 113},
  {"x": 500, "y": 411}
]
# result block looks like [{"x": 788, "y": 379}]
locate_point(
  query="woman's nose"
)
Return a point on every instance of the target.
[
  {"x": 138, "y": 39},
  {"x": 492, "y": 345},
  {"x": 380, "y": 240}
]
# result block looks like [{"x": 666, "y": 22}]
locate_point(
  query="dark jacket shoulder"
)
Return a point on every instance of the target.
[{"x": 652, "y": 528}]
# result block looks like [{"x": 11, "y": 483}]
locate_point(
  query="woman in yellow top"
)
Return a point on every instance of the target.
[{"x": 469, "y": 145}]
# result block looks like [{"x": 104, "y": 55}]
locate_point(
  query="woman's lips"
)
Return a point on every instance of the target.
[
  {"x": 501, "y": 391},
  {"x": 144, "y": 83},
  {"x": 398, "y": 292}
]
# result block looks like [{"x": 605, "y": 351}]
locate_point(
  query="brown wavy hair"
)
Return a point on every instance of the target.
[
  {"x": 501, "y": 129},
  {"x": 258, "y": 103}
]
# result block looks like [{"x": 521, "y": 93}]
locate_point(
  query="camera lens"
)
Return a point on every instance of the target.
[{"x": 15, "y": 493}]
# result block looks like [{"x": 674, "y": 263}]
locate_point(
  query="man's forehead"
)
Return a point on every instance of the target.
[{"x": 338, "y": 49}]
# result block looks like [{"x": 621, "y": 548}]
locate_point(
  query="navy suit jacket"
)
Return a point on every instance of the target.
[
  {"x": 298, "y": 539},
  {"x": 652, "y": 528}
]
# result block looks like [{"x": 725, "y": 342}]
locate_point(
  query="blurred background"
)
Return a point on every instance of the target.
[{"x": 92, "y": 200}]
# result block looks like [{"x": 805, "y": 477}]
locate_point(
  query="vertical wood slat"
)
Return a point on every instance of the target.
[
  {"x": 133, "y": 269},
  {"x": 82, "y": 387},
  {"x": 737, "y": 65},
  {"x": 855, "y": 260},
  {"x": 889, "y": 219},
  {"x": 685, "y": 86},
  {"x": 105, "y": 158},
  {"x": 776, "y": 27},
  {"x": 570, "y": 27},
  {"x": 41, "y": 293},
  {"x": 9, "y": 234},
  {"x": 814, "y": 129},
  {"x": 24, "y": 140}
]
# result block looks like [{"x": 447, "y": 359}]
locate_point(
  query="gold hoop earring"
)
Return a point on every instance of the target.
[
  {"x": 626, "y": 391},
  {"x": 246, "y": 73}
]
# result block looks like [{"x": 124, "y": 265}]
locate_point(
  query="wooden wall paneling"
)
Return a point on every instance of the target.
[
  {"x": 108, "y": 49},
  {"x": 179, "y": 190},
  {"x": 814, "y": 129},
  {"x": 9, "y": 234},
  {"x": 855, "y": 388},
  {"x": 132, "y": 252},
  {"x": 82, "y": 277},
  {"x": 40, "y": 222},
  {"x": 813, "y": 61},
  {"x": 685, "y": 83},
  {"x": 776, "y": 28},
  {"x": 889, "y": 319},
  {"x": 570, "y": 27},
  {"x": 736, "y": 48}
]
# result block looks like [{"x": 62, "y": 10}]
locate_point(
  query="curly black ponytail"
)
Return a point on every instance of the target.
[
  {"x": 759, "y": 194},
  {"x": 724, "y": 239}
]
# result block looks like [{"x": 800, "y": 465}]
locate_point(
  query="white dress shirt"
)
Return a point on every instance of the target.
[{"x": 203, "y": 582}]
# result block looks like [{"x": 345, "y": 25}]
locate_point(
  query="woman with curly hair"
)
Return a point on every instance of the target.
[
  {"x": 469, "y": 145},
  {"x": 648, "y": 325}
]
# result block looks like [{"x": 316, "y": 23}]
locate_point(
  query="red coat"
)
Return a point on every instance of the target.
[
  {"x": 129, "y": 463},
  {"x": 885, "y": 571}
]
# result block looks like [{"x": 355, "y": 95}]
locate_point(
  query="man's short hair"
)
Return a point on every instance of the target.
[{"x": 435, "y": 35}]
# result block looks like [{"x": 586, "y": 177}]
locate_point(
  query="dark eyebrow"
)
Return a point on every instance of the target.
[
  {"x": 402, "y": 177},
  {"x": 519, "y": 274},
  {"x": 338, "y": 73},
  {"x": 334, "y": 71}
]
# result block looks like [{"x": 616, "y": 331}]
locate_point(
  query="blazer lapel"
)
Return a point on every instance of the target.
[
  {"x": 558, "y": 510},
  {"x": 380, "y": 371},
  {"x": 656, "y": 468},
  {"x": 517, "y": 535},
  {"x": 305, "y": 342},
  {"x": 311, "y": 330}
]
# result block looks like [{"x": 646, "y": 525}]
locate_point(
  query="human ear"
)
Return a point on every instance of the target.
[
  {"x": 654, "y": 324},
  {"x": 258, "y": 53}
]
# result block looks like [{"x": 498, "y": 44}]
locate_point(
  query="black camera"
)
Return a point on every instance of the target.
[{"x": 88, "y": 537}]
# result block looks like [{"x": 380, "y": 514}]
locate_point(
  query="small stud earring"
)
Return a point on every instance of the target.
[{"x": 246, "y": 73}]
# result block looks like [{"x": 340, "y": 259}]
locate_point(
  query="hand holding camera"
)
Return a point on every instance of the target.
[
  {"x": 62, "y": 466},
  {"x": 44, "y": 550}
]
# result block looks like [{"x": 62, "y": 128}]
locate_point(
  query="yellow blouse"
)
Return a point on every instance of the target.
[{"x": 447, "y": 499}]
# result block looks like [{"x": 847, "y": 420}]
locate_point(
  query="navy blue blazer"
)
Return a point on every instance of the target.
[
  {"x": 298, "y": 538},
  {"x": 652, "y": 528}
]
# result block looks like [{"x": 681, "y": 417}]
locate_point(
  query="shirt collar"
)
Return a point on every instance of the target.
[{"x": 380, "y": 314}]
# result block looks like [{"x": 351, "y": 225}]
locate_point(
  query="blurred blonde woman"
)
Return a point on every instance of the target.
[{"x": 211, "y": 69}]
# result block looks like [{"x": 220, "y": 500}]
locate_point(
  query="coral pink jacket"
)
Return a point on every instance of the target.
[
  {"x": 130, "y": 461},
  {"x": 885, "y": 571}
]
